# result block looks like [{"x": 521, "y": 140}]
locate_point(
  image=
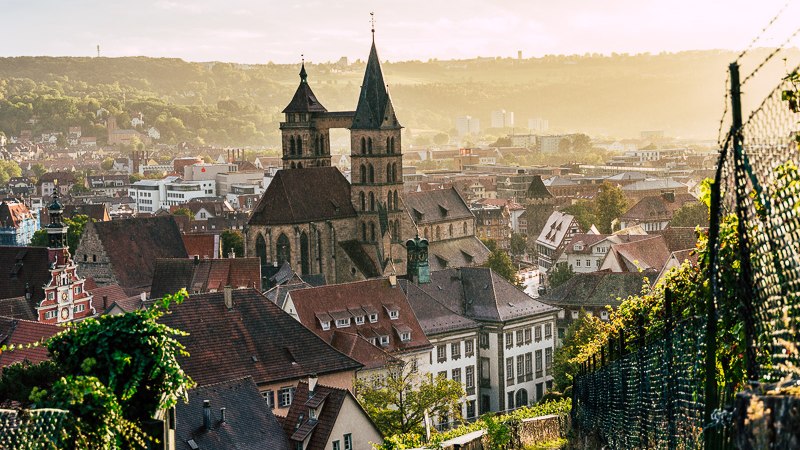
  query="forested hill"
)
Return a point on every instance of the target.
[{"x": 229, "y": 104}]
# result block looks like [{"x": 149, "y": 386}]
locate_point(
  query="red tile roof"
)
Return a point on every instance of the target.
[
  {"x": 13, "y": 213},
  {"x": 342, "y": 301},
  {"x": 254, "y": 338},
  {"x": 204, "y": 275},
  {"x": 202, "y": 245},
  {"x": 15, "y": 331}
]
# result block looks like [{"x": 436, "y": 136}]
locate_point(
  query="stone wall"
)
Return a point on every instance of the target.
[
  {"x": 532, "y": 431},
  {"x": 92, "y": 260},
  {"x": 767, "y": 421}
]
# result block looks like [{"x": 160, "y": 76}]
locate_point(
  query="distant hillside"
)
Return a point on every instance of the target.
[{"x": 228, "y": 104}]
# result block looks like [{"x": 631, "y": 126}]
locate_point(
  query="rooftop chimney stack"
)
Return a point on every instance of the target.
[
  {"x": 105, "y": 302},
  {"x": 207, "y": 414},
  {"x": 222, "y": 415},
  {"x": 228, "y": 295},
  {"x": 312, "y": 384}
]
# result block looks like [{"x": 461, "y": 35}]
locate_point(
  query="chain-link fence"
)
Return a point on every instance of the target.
[{"x": 33, "y": 429}]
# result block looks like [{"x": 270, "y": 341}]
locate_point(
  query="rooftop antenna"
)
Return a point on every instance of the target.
[{"x": 372, "y": 21}]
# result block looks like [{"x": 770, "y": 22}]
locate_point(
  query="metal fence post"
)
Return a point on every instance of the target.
[
  {"x": 670, "y": 376},
  {"x": 640, "y": 362}
]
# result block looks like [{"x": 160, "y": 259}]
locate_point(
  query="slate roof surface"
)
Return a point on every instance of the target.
[
  {"x": 112, "y": 292},
  {"x": 304, "y": 99},
  {"x": 680, "y": 238},
  {"x": 133, "y": 245},
  {"x": 360, "y": 253},
  {"x": 374, "y": 108},
  {"x": 223, "y": 342},
  {"x": 434, "y": 317},
  {"x": 249, "y": 423},
  {"x": 277, "y": 294},
  {"x": 460, "y": 252},
  {"x": 18, "y": 308},
  {"x": 555, "y": 229},
  {"x": 537, "y": 189},
  {"x": 436, "y": 206},
  {"x": 204, "y": 275},
  {"x": 304, "y": 195},
  {"x": 21, "y": 267},
  {"x": 339, "y": 300},
  {"x": 62, "y": 177},
  {"x": 595, "y": 289},
  {"x": 16, "y": 331},
  {"x": 480, "y": 294},
  {"x": 325, "y": 421},
  {"x": 361, "y": 350},
  {"x": 655, "y": 207}
]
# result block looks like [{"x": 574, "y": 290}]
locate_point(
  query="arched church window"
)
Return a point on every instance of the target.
[
  {"x": 393, "y": 149},
  {"x": 465, "y": 228},
  {"x": 363, "y": 201},
  {"x": 291, "y": 145},
  {"x": 261, "y": 249},
  {"x": 396, "y": 202},
  {"x": 363, "y": 232},
  {"x": 363, "y": 146},
  {"x": 299, "y": 145},
  {"x": 438, "y": 232},
  {"x": 363, "y": 173},
  {"x": 372, "y": 231},
  {"x": 371, "y": 201},
  {"x": 371, "y": 174},
  {"x": 369, "y": 146},
  {"x": 394, "y": 172},
  {"x": 450, "y": 230},
  {"x": 389, "y": 201},
  {"x": 322, "y": 145},
  {"x": 283, "y": 250},
  {"x": 389, "y": 145},
  {"x": 388, "y": 173}
]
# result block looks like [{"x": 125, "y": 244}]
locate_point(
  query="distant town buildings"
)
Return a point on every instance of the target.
[
  {"x": 467, "y": 125},
  {"x": 502, "y": 119}
]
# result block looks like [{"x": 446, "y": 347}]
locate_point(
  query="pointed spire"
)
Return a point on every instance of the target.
[
  {"x": 303, "y": 74},
  {"x": 374, "y": 103},
  {"x": 372, "y": 22}
]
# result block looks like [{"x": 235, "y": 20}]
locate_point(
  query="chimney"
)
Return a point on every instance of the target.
[
  {"x": 207, "y": 414},
  {"x": 312, "y": 384},
  {"x": 232, "y": 253},
  {"x": 392, "y": 280},
  {"x": 105, "y": 302},
  {"x": 222, "y": 415},
  {"x": 228, "y": 295},
  {"x": 196, "y": 259}
]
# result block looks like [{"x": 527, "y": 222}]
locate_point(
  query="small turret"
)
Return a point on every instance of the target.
[
  {"x": 56, "y": 229},
  {"x": 417, "y": 268}
]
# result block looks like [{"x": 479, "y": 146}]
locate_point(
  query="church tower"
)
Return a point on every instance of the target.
[
  {"x": 304, "y": 144},
  {"x": 376, "y": 159}
]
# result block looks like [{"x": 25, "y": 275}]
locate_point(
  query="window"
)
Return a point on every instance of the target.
[
  {"x": 469, "y": 347},
  {"x": 285, "y": 397},
  {"x": 470, "y": 409},
  {"x": 348, "y": 442},
  {"x": 335, "y": 445},
  {"x": 520, "y": 341},
  {"x": 537, "y": 332},
  {"x": 520, "y": 368},
  {"x": 455, "y": 350},
  {"x": 575, "y": 315},
  {"x": 578, "y": 263},
  {"x": 51, "y": 295},
  {"x": 548, "y": 358},
  {"x": 509, "y": 340},
  {"x": 80, "y": 308},
  {"x": 373, "y": 318},
  {"x": 588, "y": 263},
  {"x": 326, "y": 325},
  {"x": 441, "y": 353},
  {"x": 50, "y": 314},
  {"x": 548, "y": 330},
  {"x": 342, "y": 323},
  {"x": 469, "y": 382},
  {"x": 394, "y": 314},
  {"x": 442, "y": 374},
  {"x": 384, "y": 340},
  {"x": 77, "y": 290},
  {"x": 405, "y": 336},
  {"x": 269, "y": 396},
  {"x": 457, "y": 375},
  {"x": 359, "y": 320},
  {"x": 510, "y": 404},
  {"x": 604, "y": 315},
  {"x": 510, "y": 370},
  {"x": 527, "y": 335},
  {"x": 538, "y": 363},
  {"x": 484, "y": 337}
]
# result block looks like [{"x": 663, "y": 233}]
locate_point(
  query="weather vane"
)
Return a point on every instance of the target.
[{"x": 372, "y": 21}]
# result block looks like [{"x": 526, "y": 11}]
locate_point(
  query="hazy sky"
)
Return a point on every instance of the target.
[{"x": 257, "y": 31}]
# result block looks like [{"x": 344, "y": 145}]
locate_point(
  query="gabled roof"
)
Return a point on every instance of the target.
[
  {"x": 595, "y": 289},
  {"x": 249, "y": 423},
  {"x": 318, "y": 431},
  {"x": 204, "y": 245},
  {"x": 555, "y": 229},
  {"x": 480, "y": 294},
  {"x": 433, "y": 316},
  {"x": 374, "y": 110},
  {"x": 361, "y": 350},
  {"x": 657, "y": 207},
  {"x": 304, "y": 99},
  {"x": 21, "y": 268},
  {"x": 13, "y": 213},
  {"x": 350, "y": 300},
  {"x": 18, "y": 308},
  {"x": 254, "y": 338},
  {"x": 643, "y": 254},
  {"x": 204, "y": 275},
  {"x": 15, "y": 331},
  {"x": 436, "y": 206},
  {"x": 304, "y": 195},
  {"x": 537, "y": 189},
  {"x": 95, "y": 211},
  {"x": 460, "y": 252},
  {"x": 680, "y": 238},
  {"x": 62, "y": 177},
  {"x": 133, "y": 245}
]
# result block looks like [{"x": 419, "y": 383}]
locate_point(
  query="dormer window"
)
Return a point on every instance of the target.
[
  {"x": 359, "y": 320},
  {"x": 393, "y": 311},
  {"x": 342, "y": 323},
  {"x": 405, "y": 337},
  {"x": 373, "y": 318},
  {"x": 326, "y": 325},
  {"x": 384, "y": 341},
  {"x": 324, "y": 320}
]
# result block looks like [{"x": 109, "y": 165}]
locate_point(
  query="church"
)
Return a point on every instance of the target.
[{"x": 317, "y": 221}]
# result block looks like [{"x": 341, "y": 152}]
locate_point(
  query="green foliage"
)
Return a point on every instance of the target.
[
  {"x": 501, "y": 264},
  {"x": 18, "y": 380},
  {"x": 402, "y": 441},
  {"x": 183, "y": 212},
  {"x": 76, "y": 226},
  {"x": 398, "y": 401},
  {"x": 8, "y": 170},
  {"x": 232, "y": 240},
  {"x": 491, "y": 244},
  {"x": 560, "y": 274},
  {"x": 518, "y": 244},
  {"x": 132, "y": 354},
  {"x": 610, "y": 204},
  {"x": 693, "y": 214},
  {"x": 39, "y": 238},
  {"x": 38, "y": 170},
  {"x": 498, "y": 432},
  {"x": 579, "y": 333},
  {"x": 584, "y": 212},
  {"x": 107, "y": 164}
]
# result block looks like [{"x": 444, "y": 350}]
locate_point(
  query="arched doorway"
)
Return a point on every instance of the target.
[
  {"x": 283, "y": 250},
  {"x": 521, "y": 398}
]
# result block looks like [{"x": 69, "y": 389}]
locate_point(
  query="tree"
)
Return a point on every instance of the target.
[
  {"x": 39, "y": 238},
  {"x": 8, "y": 170},
  {"x": 580, "y": 332},
  {"x": 560, "y": 274},
  {"x": 584, "y": 213},
  {"x": 610, "y": 204},
  {"x": 501, "y": 264},
  {"x": 441, "y": 139},
  {"x": 398, "y": 401},
  {"x": 183, "y": 212},
  {"x": 518, "y": 244},
  {"x": 693, "y": 214},
  {"x": 38, "y": 170},
  {"x": 76, "y": 225},
  {"x": 107, "y": 164},
  {"x": 232, "y": 240}
]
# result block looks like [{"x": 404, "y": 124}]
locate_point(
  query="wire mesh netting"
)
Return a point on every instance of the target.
[
  {"x": 33, "y": 429},
  {"x": 651, "y": 397}
]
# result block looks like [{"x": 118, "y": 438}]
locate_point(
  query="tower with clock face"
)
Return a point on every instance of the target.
[{"x": 65, "y": 297}]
